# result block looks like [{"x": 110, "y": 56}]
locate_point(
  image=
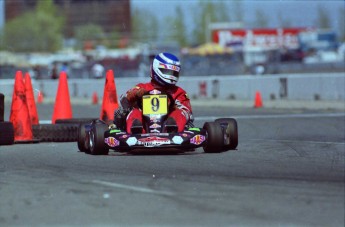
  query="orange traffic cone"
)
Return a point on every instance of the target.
[
  {"x": 19, "y": 116},
  {"x": 258, "y": 100},
  {"x": 30, "y": 100},
  {"x": 109, "y": 103},
  {"x": 40, "y": 97},
  {"x": 94, "y": 98},
  {"x": 62, "y": 106}
]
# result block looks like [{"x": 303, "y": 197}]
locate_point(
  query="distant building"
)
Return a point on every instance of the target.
[{"x": 111, "y": 15}]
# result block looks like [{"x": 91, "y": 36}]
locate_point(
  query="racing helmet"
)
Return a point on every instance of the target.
[{"x": 165, "y": 69}]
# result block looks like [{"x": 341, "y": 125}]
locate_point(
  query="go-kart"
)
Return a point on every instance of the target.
[{"x": 97, "y": 138}]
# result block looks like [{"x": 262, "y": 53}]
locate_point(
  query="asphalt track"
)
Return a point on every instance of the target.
[{"x": 288, "y": 170}]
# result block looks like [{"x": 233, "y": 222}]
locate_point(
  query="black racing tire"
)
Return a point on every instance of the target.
[
  {"x": 76, "y": 121},
  {"x": 215, "y": 141},
  {"x": 55, "y": 132},
  {"x": 6, "y": 133},
  {"x": 96, "y": 140},
  {"x": 82, "y": 143},
  {"x": 231, "y": 130}
]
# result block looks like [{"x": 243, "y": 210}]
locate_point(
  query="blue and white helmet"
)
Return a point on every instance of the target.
[{"x": 165, "y": 69}]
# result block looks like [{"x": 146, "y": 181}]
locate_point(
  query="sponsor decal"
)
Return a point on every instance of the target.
[
  {"x": 145, "y": 134},
  {"x": 197, "y": 140},
  {"x": 131, "y": 141},
  {"x": 177, "y": 140},
  {"x": 112, "y": 142},
  {"x": 161, "y": 65},
  {"x": 166, "y": 66},
  {"x": 155, "y": 92},
  {"x": 155, "y": 125},
  {"x": 190, "y": 132},
  {"x": 264, "y": 38},
  {"x": 154, "y": 118},
  {"x": 184, "y": 135},
  {"x": 159, "y": 134},
  {"x": 155, "y": 134},
  {"x": 120, "y": 133},
  {"x": 153, "y": 141},
  {"x": 194, "y": 129},
  {"x": 115, "y": 131},
  {"x": 154, "y": 131}
]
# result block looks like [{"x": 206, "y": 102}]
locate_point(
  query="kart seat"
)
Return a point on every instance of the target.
[
  {"x": 170, "y": 126},
  {"x": 137, "y": 127}
]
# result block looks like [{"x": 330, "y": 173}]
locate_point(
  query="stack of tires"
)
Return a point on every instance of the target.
[
  {"x": 6, "y": 128},
  {"x": 64, "y": 130}
]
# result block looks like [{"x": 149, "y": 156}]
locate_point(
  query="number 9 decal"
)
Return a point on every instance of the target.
[{"x": 155, "y": 104}]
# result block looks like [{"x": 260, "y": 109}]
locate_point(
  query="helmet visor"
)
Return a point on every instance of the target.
[{"x": 170, "y": 72}]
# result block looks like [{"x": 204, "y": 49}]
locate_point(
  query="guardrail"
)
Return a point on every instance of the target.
[{"x": 323, "y": 86}]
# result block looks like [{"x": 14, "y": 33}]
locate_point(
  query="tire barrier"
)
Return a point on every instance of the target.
[
  {"x": 76, "y": 121},
  {"x": 6, "y": 128},
  {"x": 6, "y": 133},
  {"x": 24, "y": 127},
  {"x": 56, "y": 132},
  {"x": 2, "y": 107}
]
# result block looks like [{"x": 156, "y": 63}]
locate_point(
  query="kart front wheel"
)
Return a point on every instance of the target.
[
  {"x": 214, "y": 143},
  {"x": 82, "y": 142},
  {"x": 96, "y": 139},
  {"x": 230, "y": 133}
]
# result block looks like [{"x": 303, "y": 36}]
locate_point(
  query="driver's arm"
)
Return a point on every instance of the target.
[
  {"x": 127, "y": 103},
  {"x": 182, "y": 102}
]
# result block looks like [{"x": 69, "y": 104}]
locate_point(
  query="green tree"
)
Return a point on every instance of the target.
[
  {"x": 89, "y": 33},
  {"x": 35, "y": 31},
  {"x": 261, "y": 19},
  {"x": 238, "y": 11},
  {"x": 207, "y": 13},
  {"x": 222, "y": 14},
  {"x": 144, "y": 26},
  {"x": 178, "y": 31},
  {"x": 113, "y": 39},
  {"x": 323, "y": 20},
  {"x": 283, "y": 22}
]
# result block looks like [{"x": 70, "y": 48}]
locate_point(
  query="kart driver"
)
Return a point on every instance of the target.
[{"x": 165, "y": 71}]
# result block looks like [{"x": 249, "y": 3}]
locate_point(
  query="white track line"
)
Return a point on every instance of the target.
[
  {"x": 300, "y": 141},
  {"x": 273, "y": 116},
  {"x": 132, "y": 188}
]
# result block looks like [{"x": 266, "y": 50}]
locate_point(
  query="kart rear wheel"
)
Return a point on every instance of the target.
[
  {"x": 96, "y": 140},
  {"x": 215, "y": 137},
  {"x": 231, "y": 132},
  {"x": 82, "y": 143}
]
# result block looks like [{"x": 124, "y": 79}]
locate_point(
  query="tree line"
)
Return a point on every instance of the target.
[{"x": 41, "y": 30}]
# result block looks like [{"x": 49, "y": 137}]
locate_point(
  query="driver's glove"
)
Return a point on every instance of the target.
[{"x": 120, "y": 117}]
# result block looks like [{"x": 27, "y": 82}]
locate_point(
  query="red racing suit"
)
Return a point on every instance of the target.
[{"x": 181, "y": 112}]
